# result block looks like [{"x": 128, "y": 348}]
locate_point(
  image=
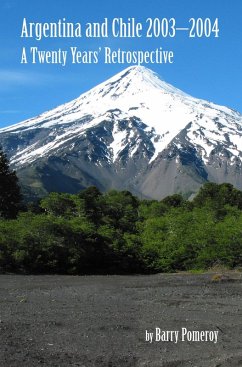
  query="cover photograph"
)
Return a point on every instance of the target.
[{"x": 120, "y": 183}]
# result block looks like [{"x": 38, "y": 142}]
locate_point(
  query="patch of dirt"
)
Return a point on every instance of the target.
[{"x": 101, "y": 321}]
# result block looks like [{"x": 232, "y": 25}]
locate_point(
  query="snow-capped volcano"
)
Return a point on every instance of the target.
[{"x": 133, "y": 131}]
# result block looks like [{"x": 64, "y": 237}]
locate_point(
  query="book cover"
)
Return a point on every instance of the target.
[{"x": 120, "y": 183}]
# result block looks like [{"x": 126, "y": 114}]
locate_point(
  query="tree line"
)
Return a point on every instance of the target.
[{"x": 115, "y": 232}]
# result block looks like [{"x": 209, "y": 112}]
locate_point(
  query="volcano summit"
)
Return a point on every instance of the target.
[{"x": 135, "y": 132}]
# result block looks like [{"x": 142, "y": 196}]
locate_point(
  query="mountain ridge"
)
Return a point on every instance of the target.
[{"x": 133, "y": 131}]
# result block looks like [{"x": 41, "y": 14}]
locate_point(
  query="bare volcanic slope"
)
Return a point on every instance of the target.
[{"x": 135, "y": 132}]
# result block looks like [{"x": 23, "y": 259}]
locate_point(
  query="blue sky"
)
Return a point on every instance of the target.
[{"x": 208, "y": 68}]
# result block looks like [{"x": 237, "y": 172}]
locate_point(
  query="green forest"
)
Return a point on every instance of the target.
[{"x": 117, "y": 233}]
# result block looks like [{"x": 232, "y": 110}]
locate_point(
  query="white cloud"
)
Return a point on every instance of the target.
[
  {"x": 22, "y": 78},
  {"x": 11, "y": 79},
  {"x": 3, "y": 112}
]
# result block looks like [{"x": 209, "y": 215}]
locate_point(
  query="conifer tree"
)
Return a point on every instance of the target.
[{"x": 10, "y": 196}]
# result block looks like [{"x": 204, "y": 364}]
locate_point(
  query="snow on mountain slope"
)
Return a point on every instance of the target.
[
  {"x": 135, "y": 92},
  {"x": 132, "y": 117}
]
